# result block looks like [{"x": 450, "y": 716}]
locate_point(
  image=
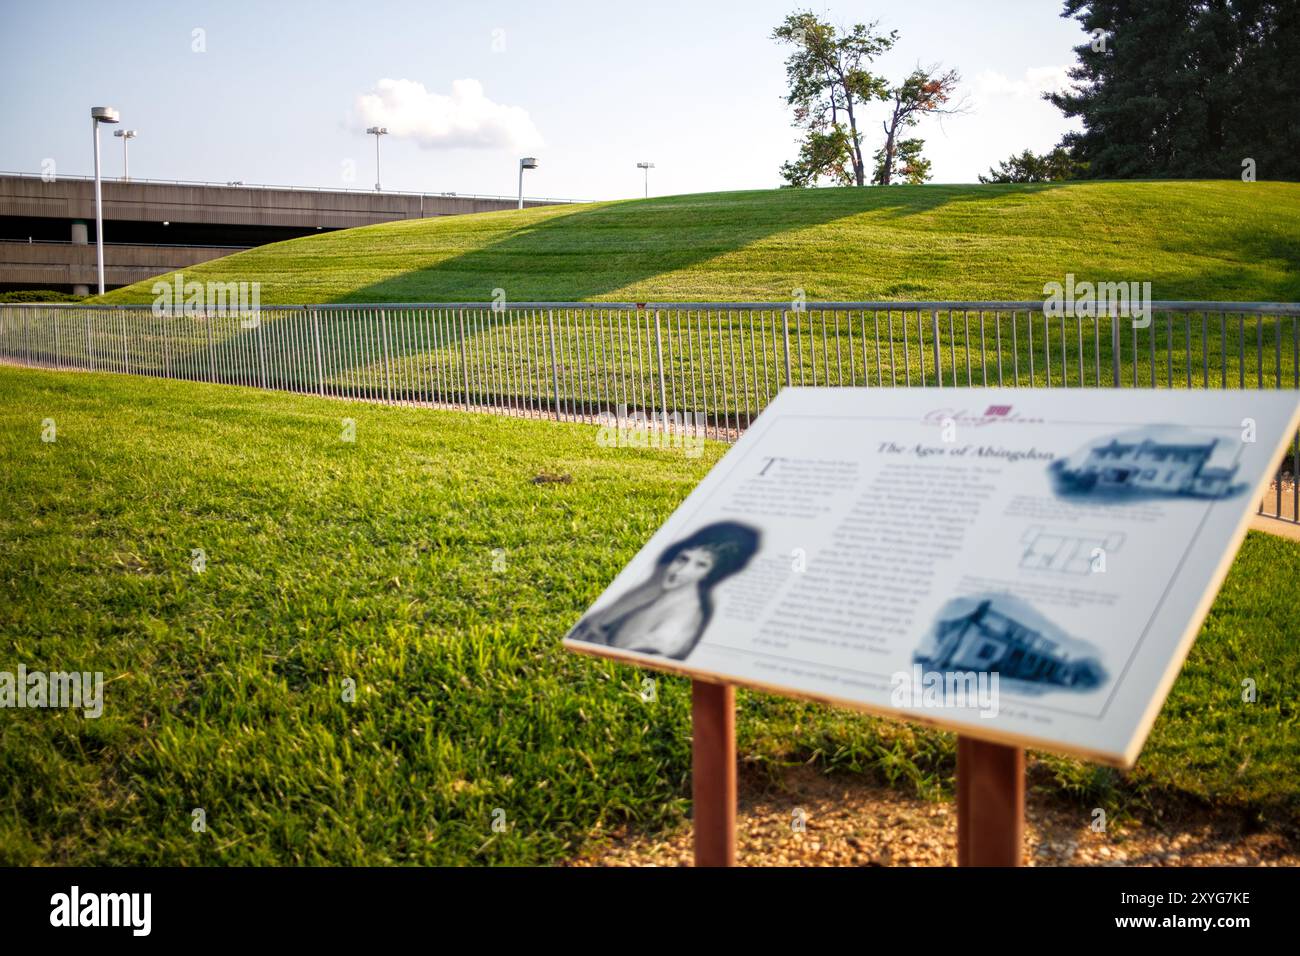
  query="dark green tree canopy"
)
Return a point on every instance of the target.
[{"x": 1185, "y": 88}]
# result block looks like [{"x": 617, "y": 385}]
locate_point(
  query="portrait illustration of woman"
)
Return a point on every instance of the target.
[{"x": 668, "y": 613}]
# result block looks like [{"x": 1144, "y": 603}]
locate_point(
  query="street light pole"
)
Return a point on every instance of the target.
[
  {"x": 100, "y": 114},
  {"x": 126, "y": 135},
  {"x": 376, "y": 132},
  {"x": 528, "y": 162},
  {"x": 647, "y": 167}
]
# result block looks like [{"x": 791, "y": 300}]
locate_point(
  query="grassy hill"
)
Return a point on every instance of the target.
[
  {"x": 1191, "y": 240},
  {"x": 376, "y": 561}
]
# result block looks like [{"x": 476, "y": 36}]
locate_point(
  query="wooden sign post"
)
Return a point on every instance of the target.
[
  {"x": 713, "y": 772},
  {"x": 1024, "y": 567},
  {"x": 990, "y": 803},
  {"x": 990, "y": 788}
]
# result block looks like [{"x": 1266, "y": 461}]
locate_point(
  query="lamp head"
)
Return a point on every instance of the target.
[
  {"x": 528, "y": 162},
  {"x": 104, "y": 114}
]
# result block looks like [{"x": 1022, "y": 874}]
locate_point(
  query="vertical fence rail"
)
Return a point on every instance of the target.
[{"x": 705, "y": 369}]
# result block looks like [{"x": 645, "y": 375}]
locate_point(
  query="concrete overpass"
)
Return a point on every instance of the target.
[{"x": 47, "y": 228}]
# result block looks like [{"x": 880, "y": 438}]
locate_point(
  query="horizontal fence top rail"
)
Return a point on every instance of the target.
[{"x": 1269, "y": 308}]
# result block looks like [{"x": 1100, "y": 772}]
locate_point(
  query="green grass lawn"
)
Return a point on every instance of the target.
[
  {"x": 1223, "y": 240},
  {"x": 374, "y": 561}
]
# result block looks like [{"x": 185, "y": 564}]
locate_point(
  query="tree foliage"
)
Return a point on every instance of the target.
[
  {"x": 907, "y": 165},
  {"x": 924, "y": 92},
  {"x": 1185, "y": 88},
  {"x": 1027, "y": 167},
  {"x": 827, "y": 155},
  {"x": 829, "y": 81}
]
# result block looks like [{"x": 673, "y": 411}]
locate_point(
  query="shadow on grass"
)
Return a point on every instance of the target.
[{"x": 593, "y": 252}]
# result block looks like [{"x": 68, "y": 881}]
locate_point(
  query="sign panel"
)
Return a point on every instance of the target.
[{"x": 1028, "y": 566}]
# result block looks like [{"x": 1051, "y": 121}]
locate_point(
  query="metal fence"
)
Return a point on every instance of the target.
[{"x": 707, "y": 367}]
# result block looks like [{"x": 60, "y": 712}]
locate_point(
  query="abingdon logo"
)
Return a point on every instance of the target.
[
  {"x": 977, "y": 690},
  {"x": 1087, "y": 299},
  {"x": 993, "y": 415},
  {"x": 37, "y": 689},
  {"x": 197, "y": 299},
  {"x": 103, "y": 909}
]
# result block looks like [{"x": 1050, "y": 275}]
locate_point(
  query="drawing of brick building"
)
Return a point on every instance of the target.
[
  {"x": 987, "y": 640},
  {"x": 1149, "y": 465}
]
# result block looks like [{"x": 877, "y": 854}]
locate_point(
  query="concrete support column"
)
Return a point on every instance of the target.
[{"x": 80, "y": 237}]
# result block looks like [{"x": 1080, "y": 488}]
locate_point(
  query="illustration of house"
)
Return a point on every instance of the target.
[
  {"x": 988, "y": 640},
  {"x": 1149, "y": 465}
]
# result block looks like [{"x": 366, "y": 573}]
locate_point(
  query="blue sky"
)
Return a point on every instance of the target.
[{"x": 283, "y": 92}]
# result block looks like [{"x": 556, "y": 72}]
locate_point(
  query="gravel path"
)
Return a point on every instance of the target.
[{"x": 851, "y": 823}]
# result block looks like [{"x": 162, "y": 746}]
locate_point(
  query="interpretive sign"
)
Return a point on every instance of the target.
[{"x": 1023, "y": 566}]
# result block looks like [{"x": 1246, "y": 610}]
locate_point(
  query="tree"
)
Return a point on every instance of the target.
[
  {"x": 924, "y": 92},
  {"x": 909, "y": 165},
  {"x": 828, "y": 81},
  {"x": 1029, "y": 168},
  {"x": 828, "y": 155},
  {"x": 1185, "y": 89}
]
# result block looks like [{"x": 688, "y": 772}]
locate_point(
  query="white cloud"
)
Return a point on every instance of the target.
[
  {"x": 465, "y": 118},
  {"x": 1007, "y": 115},
  {"x": 1037, "y": 80}
]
